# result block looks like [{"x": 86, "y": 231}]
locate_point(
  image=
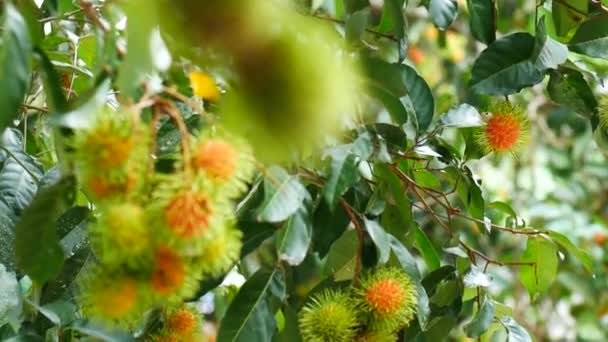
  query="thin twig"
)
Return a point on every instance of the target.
[
  {"x": 342, "y": 22},
  {"x": 361, "y": 236}
]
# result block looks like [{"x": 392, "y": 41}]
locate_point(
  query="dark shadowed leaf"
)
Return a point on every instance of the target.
[
  {"x": 569, "y": 88},
  {"x": 482, "y": 16},
  {"x": 343, "y": 174},
  {"x": 37, "y": 247},
  {"x": 15, "y": 64},
  {"x": 591, "y": 38},
  {"x": 505, "y": 66}
]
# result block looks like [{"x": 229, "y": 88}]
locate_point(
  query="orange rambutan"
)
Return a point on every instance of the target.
[
  {"x": 506, "y": 129},
  {"x": 169, "y": 271},
  {"x": 188, "y": 214},
  {"x": 110, "y": 297},
  {"x": 217, "y": 158},
  {"x": 388, "y": 299},
  {"x": 110, "y": 142},
  {"x": 183, "y": 322}
]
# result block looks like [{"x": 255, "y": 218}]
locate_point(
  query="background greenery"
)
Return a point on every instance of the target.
[{"x": 501, "y": 247}]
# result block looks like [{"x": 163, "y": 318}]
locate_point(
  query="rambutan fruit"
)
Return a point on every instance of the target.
[
  {"x": 102, "y": 186},
  {"x": 110, "y": 298},
  {"x": 226, "y": 160},
  {"x": 169, "y": 273},
  {"x": 217, "y": 158},
  {"x": 189, "y": 213},
  {"x": 506, "y": 129},
  {"x": 220, "y": 250},
  {"x": 603, "y": 111},
  {"x": 184, "y": 322},
  {"x": 388, "y": 299},
  {"x": 329, "y": 316},
  {"x": 204, "y": 86},
  {"x": 121, "y": 236},
  {"x": 109, "y": 142}
]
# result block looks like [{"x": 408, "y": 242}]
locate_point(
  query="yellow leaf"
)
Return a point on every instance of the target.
[{"x": 204, "y": 86}]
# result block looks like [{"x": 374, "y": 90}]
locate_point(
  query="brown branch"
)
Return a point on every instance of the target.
[
  {"x": 169, "y": 108},
  {"x": 342, "y": 22},
  {"x": 360, "y": 234}
]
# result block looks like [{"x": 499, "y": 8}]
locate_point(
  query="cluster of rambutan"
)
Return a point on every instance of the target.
[
  {"x": 156, "y": 235},
  {"x": 384, "y": 303}
]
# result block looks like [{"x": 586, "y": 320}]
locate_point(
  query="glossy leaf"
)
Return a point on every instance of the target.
[
  {"x": 381, "y": 239},
  {"x": 483, "y": 319},
  {"x": 548, "y": 53},
  {"x": 295, "y": 237},
  {"x": 515, "y": 332},
  {"x": 443, "y": 12},
  {"x": 567, "y": 16},
  {"x": 424, "y": 245},
  {"x": 283, "y": 196}
]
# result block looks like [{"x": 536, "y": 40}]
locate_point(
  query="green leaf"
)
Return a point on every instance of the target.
[
  {"x": 15, "y": 64},
  {"x": 295, "y": 237},
  {"x": 447, "y": 292},
  {"x": 20, "y": 174},
  {"x": 392, "y": 104},
  {"x": 100, "y": 333},
  {"x": 569, "y": 88},
  {"x": 515, "y": 332},
  {"x": 543, "y": 253},
  {"x": 591, "y": 38},
  {"x": 482, "y": 320},
  {"x": 405, "y": 258},
  {"x": 464, "y": 115},
  {"x": 438, "y": 327},
  {"x": 548, "y": 53},
  {"x": 567, "y": 16},
  {"x": 341, "y": 254},
  {"x": 356, "y": 24},
  {"x": 37, "y": 249},
  {"x": 443, "y": 12},
  {"x": 249, "y": 317},
  {"x": 420, "y": 95},
  {"x": 505, "y": 66},
  {"x": 482, "y": 18},
  {"x": 354, "y": 5},
  {"x": 403, "y": 82},
  {"x": 424, "y": 245},
  {"x": 381, "y": 239},
  {"x": 342, "y": 175},
  {"x": 579, "y": 253},
  {"x": 283, "y": 196},
  {"x": 394, "y": 10}
]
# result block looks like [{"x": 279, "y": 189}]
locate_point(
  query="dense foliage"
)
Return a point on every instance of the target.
[{"x": 321, "y": 170}]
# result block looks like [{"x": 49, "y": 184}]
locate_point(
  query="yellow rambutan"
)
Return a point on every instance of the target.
[
  {"x": 220, "y": 250},
  {"x": 109, "y": 297},
  {"x": 204, "y": 86}
]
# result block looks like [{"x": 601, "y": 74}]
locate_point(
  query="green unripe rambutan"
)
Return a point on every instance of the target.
[
  {"x": 387, "y": 298},
  {"x": 329, "y": 317},
  {"x": 121, "y": 234}
]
